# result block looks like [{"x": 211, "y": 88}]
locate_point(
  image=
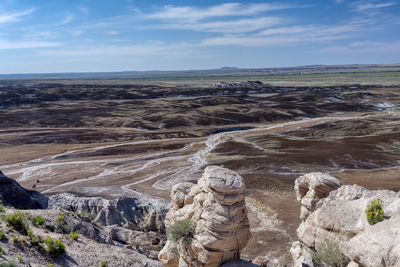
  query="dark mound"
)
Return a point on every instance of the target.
[{"x": 13, "y": 194}]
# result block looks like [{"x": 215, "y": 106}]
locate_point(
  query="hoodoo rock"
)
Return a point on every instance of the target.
[
  {"x": 216, "y": 203},
  {"x": 13, "y": 194},
  {"x": 336, "y": 214}
]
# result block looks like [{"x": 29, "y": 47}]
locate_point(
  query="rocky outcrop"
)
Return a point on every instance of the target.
[
  {"x": 13, "y": 194},
  {"x": 131, "y": 214},
  {"x": 67, "y": 201},
  {"x": 340, "y": 217},
  {"x": 312, "y": 187},
  {"x": 126, "y": 212},
  {"x": 216, "y": 203}
]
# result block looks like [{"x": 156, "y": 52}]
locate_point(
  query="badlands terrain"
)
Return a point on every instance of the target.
[{"x": 110, "y": 138}]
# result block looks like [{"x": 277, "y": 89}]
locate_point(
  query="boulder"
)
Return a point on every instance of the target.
[
  {"x": 312, "y": 187},
  {"x": 338, "y": 214},
  {"x": 216, "y": 204},
  {"x": 14, "y": 195}
]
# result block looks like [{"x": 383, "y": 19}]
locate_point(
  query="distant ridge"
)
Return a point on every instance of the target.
[
  {"x": 215, "y": 73},
  {"x": 229, "y": 68}
]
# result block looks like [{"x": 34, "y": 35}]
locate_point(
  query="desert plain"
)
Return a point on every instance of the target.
[{"x": 140, "y": 136}]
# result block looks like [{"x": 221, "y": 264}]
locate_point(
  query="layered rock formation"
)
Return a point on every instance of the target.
[
  {"x": 125, "y": 219},
  {"x": 216, "y": 203},
  {"x": 337, "y": 213},
  {"x": 13, "y": 194}
]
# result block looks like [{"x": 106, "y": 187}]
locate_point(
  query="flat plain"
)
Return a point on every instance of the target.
[{"x": 139, "y": 134}]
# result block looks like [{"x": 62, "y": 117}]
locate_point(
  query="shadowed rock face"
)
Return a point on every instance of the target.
[{"x": 13, "y": 194}]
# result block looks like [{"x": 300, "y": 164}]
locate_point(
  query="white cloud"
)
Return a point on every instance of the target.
[
  {"x": 188, "y": 13},
  {"x": 68, "y": 18},
  {"x": 287, "y": 35},
  {"x": 370, "y": 6},
  {"x": 8, "y": 45},
  {"x": 364, "y": 47},
  {"x": 11, "y": 17},
  {"x": 149, "y": 49},
  {"x": 235, "y": 26}
]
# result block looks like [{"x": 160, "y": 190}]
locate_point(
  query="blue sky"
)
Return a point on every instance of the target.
[{"x": 103, "y": 35}]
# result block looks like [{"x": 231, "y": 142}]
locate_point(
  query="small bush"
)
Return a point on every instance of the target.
[
  {"x": 54, "y": 248},
  {"x": 74, "y": 235},
  {"x": 375, "y": 211},
  {"x": 15, "y": 239},
  {"x": 39, "y": 220},
  {"x": 2, "y": 208},
  {"x": 35, "y": 240},
  {"x": 180, "y": 229},
  {"x": 62, "y": 226},
  {"x": 2, "y": 236},
  {"x": 20, "y": 259},
  {"x": 8, "y": 264},
  {"x": 60, "y": 219},
  {"x": 19, "y": 221},
  {"x": 329, "y": 254},
  {"x": 103, "y": 264},
  {"x": 1, "y": 251}
]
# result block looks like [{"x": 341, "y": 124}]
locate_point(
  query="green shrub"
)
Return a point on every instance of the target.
[
  {"x": 54, "y": 248},
  {"x": 1, "y": 251},
  {"x": 19, "y": 221},
  {"x": 8, "y": 264},
  {"x": 329, "y": 254},
  {"x": 35, "y": 240},
  {"x": 39, "y": 220},
  {"x": 2, "y": 208},
  {"x": 103, "y": 264},
  {"x": 62, "y": 226},
  {"x": 375, "y": 211},
  {"x": 180, "y": 229},
  {"x": 15, "y": 239},
  {"x": 20, "y": 259},
  {"x": 2, "y": 236},
  {"x": 74, "y": 235},
  {"x": 60, "y": 219}
]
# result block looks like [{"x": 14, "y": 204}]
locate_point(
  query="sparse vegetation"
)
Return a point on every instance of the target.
[
  {"x": 328, "y": 254},
  {"x": 1, "y": 251},
  {"x": 375, "y": 211},
  {"x": 39, "y": 220},
  {"x": 20, "y": 258},
  {"x": 62, "y": 226},
  {"x": 54, "y": 248},
  {"x": 18, "y": 220},
  {"x": 74, "y": 236},
  {"x": 8, "y": 264},
  {"x": 2, "y": 236},
  {"x": 103, "y": 264},
  {"x": 15, "y": 239},
  {"x": 180, "y": 229},
  {"x": 2, "y": 208}
]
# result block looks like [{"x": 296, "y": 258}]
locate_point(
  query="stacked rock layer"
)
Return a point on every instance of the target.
[{"x": 216, "y": 203}]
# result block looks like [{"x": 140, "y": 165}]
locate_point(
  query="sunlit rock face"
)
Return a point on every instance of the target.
[
  {"x": 216, "y": 203},
  {"x": 335, "y": 212}
]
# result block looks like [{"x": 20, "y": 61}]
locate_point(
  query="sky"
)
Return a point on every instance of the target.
[{"x": 47, "y": 36}]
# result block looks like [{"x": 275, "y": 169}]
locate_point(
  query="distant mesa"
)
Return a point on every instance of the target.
[{"x": 229, "y": 68}]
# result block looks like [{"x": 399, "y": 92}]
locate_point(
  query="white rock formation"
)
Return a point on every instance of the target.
[
  {"x": 340, "y": 217},
  {"x": 216, "y": 204}
]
